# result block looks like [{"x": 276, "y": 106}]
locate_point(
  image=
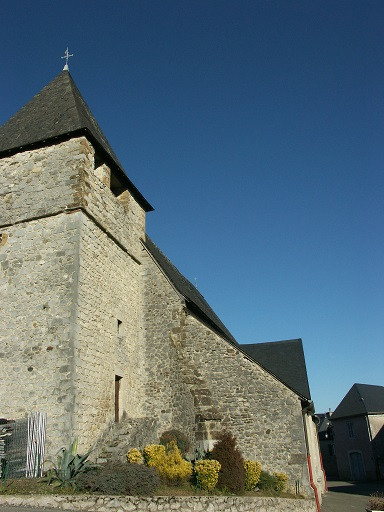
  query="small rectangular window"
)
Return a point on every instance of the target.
[{"x": 351, "y": 432}]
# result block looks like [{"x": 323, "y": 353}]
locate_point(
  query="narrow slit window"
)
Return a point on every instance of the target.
[{"x": 117, "y": 397}]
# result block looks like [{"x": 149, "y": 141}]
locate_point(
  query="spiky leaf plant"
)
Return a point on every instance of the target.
[{"x": 67, "y": 466}]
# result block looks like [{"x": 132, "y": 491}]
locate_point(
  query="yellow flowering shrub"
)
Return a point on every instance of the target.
[
  {"x": 134, "y": 456},
  {"x": 173, "y": 468},
  {"x": 153, "y": 453},
  {"x": 207, "y": 473},
  {"x": 168, "y": 462},
  {"x": 281, "y": 480},
  {"x": 252, "y": 474}
]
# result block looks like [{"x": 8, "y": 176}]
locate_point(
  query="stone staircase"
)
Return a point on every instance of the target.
[{"x": 128, "y": 433}]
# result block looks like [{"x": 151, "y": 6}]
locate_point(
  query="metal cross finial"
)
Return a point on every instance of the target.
[{"x": 66, "y": 57}]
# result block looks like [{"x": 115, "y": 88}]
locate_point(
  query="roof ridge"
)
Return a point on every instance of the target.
[
  {"x": 85, "y": 116},
  {"x": 292, "y": 340},
  {"x": 174, "y": 267},
  {"x": 360, "y": 397},
  {"x": 194, "y": 299},
  {"x": 75, "y": 92}
]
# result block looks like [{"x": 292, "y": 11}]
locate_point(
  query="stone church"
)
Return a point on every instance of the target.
[{"x": 98, "y": 327}]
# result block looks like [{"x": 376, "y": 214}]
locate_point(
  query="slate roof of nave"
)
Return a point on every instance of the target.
[
  {"x": 361, "y": 399},
  {"x": 284, "y": 359},
  {"x": 59, "y": 112},
  {"x": 194, "y": 300}
]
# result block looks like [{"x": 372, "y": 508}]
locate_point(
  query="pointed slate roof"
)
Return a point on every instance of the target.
[
  {"x": 361, "y": 399},
  {"x": 193, "y": 298},
  {"x": 59, "y": 112},
  {"x": 284, "y": 359}
]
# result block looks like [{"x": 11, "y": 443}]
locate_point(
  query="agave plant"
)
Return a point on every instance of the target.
[{"x": 68, "y": 465}]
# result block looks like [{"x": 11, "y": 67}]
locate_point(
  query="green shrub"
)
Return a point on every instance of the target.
[
  {"x": 120, "y": 479},
  {"x": 232, "y": 472},
  {"x": 277, "y": 482},
  {"x": 266, "y": 481},
  {"x": 252, "y": 474},
  {"x": 207, "y": 473},
  {"x": 281, "y": 480},
  {"x": 181, "y": 440}
]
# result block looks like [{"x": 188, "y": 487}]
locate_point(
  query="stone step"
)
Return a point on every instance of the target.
[{"x": 131, "y": 432}]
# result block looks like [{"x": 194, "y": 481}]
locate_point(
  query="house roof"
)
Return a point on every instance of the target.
[
  {"x": 284, "y": 359},
  {"x": 324, "y": 422},
  {"x": 195, "y": 302},
  {"x": 59, "y": 111},
  {"x": 324, "y": 427},
  {"x": 361, "y": 399}
]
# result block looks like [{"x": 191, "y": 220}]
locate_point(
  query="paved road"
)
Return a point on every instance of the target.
[{"x": 348, "y": 496}]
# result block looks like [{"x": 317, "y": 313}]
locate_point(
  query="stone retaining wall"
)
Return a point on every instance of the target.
[{"x": 163, "y": 503}]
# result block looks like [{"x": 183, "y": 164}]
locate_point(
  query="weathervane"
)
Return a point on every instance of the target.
[{"x": 66, "y": 57}]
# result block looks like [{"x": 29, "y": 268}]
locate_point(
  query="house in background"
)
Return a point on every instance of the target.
[
  {"x": 358, "y": 428},
  {"x": 327, "y": 445}
]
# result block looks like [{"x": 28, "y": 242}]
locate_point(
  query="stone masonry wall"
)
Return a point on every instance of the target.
[
  {"x": 123, "y": 218},
  {"x": 260, "y": 411},
  {"x": 39, "y": 270},
  {"x": 41, "y": 182},
  {"x": 109, "y": 339},
  {"x": 209, "y": 385},
  {"x": 38, "y": 276},
  {"x": 167, "y": 397},
  {"x": 161, "y": 503},
  {"x": 68, "y": 253},
  {"x": 62, "y": 177},
  {"x": 318, "y": 474},
  {"x": 82, "y": 302},
  {"x": 376, "y": 422}
]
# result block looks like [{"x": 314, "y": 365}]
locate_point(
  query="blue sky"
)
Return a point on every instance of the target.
[{"x": 255, "y": 129}]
